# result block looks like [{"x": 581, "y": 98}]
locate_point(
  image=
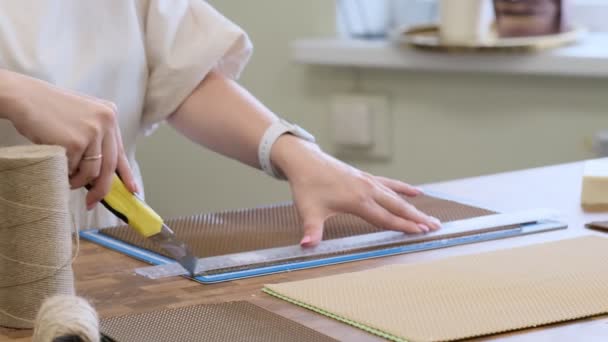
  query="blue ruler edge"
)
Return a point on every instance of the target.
[{"x": 153, "y": 258}]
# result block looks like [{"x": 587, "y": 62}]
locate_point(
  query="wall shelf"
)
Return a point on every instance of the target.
[{"x": 588, "y": 58}]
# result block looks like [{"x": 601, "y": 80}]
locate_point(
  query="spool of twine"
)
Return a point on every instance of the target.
[
  {"x": 35, "y": 231},
  {"x": 66, "y": 318}
]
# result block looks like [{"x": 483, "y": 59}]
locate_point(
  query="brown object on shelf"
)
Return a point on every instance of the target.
[{"x": 525, "y": 18}]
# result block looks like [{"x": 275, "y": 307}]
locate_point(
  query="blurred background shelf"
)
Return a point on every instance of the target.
[{"x": 587, "y": 58}]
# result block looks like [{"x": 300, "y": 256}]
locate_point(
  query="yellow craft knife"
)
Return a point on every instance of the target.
[{"x": 136, "y": 213}]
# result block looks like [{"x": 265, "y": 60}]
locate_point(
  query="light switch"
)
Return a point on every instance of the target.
[
  {"x": 361, "y": 126},
  {"x": 352, "y": 124},
  {"x": 600, "y": 143}
]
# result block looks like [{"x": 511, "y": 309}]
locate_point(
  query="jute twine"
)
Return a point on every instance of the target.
[
  {"x": 66, "y": 318},
  {"x": 35, "y": 231}
]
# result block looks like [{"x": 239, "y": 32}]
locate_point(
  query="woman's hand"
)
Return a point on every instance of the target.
[
  {"x": 85, "y": 126},
  {"x": 223, "y": 116},
  {"x": 323, "y": 186}
]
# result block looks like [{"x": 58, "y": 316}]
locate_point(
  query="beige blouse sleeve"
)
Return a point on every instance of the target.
[{"x": 185, "y": 39}]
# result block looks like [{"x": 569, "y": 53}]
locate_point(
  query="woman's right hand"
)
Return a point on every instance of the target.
[{"x": 85, "y": 126}]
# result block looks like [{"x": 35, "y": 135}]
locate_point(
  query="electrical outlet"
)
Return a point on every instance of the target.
[
  {"x": 361, "y": 126},
  {"x": 600, "y": 143},
  {"x": 352, "y": 124}
]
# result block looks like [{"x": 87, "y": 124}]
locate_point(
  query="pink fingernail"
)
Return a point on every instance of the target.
[
  {"x": 424, "y": 227},
  {"x": 306, "y": 240},
  {"x": 420, "y": 190},
  {"x": 436, "y": 221}
]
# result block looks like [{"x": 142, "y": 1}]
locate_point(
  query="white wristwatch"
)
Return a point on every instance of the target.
[{"x": 271, "y": 135}]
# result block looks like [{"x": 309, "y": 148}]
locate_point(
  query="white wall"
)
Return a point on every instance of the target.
[{"x": 446, "y": 126}]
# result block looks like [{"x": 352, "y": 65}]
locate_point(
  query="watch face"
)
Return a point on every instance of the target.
[
  {"x": 297, "y": 130},
  {"x": 304, "y": 134}
]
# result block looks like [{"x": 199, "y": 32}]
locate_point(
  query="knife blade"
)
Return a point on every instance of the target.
[{"x": 134, "y": 211}]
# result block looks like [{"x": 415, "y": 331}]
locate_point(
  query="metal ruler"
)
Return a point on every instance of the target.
[{"x": 455, "y": 232}]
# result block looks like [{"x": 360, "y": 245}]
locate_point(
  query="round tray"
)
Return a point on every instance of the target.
[{"x": 427, "y": 37}]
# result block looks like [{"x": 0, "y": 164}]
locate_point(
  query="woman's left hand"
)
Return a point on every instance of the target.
[{"x": 323, "y": 186}]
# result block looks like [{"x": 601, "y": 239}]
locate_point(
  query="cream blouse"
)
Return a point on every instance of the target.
[{"x": 146, "y": 56}]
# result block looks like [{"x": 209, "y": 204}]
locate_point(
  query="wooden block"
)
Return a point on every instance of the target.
[{"x": 594, "y": 194}]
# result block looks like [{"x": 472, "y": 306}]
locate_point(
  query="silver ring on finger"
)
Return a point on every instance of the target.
[{"x": 92, "y": 158}]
